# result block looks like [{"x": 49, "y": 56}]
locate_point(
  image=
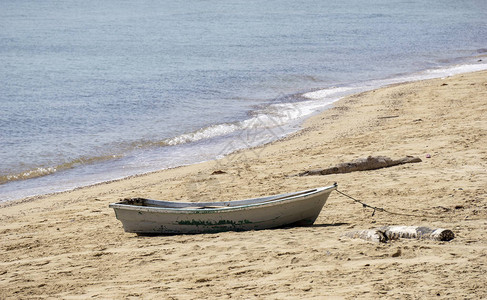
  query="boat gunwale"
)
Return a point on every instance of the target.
[{"x": 291, "y": 197}]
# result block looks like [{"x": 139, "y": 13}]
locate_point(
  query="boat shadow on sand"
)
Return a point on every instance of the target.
[{"x": 290, "y": 226}]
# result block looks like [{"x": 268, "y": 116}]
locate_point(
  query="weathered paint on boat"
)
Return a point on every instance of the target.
[{"x": 145, "y": 216}]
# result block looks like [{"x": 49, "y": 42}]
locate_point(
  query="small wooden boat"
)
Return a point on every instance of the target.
[{"x": 145, "y": 216}]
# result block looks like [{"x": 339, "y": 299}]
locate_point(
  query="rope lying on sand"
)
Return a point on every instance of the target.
[
  {"x": 365, "y": 205},
  {"x": 387, "y": 233}
]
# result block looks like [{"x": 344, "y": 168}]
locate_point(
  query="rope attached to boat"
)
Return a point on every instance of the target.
[{"x": 381, "y": 209}]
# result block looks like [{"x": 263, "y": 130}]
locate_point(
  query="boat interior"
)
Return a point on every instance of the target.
[{"x": 209, "y": 205}]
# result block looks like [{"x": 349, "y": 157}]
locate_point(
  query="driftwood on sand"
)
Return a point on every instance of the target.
[
  {"x": 372, "y": 235},
  {"x": 386, "y": 233},
  {"x": 363, "y": 164}
]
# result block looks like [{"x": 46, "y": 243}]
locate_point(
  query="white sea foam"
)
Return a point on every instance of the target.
[
  {"x": 30, "y": 174},
  {"x": 278, "y": 116},
  {"x": 327, "y": 93},
  {"x": 430, "y": 74},
  {"x": 455, "y": 70},
  {"x": 204, "y": 133}
]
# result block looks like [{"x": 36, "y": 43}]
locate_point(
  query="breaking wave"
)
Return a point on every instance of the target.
[{"x": 48, "y": 170}]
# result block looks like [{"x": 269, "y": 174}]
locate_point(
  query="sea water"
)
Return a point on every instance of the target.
[{"x": 92, "y": 91}]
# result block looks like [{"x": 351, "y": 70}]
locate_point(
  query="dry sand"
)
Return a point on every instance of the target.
[{"x": 70, "y": 245}]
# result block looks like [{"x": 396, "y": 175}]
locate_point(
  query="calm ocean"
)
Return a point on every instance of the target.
[{"x": 92, "y": 91}]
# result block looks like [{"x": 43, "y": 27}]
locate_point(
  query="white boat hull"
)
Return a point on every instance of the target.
[{"x": 144, "y": 216}]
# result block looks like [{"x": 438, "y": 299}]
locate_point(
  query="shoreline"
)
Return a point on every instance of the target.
[
  {"x": 70, "y": 244},
  {"x": 319, "y": 101}
]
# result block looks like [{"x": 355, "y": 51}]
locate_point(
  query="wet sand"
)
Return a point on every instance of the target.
[{"x": 70, "y": 245}]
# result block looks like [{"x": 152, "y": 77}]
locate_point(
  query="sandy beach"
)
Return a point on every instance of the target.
[{"x": 70, "y": 245}]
